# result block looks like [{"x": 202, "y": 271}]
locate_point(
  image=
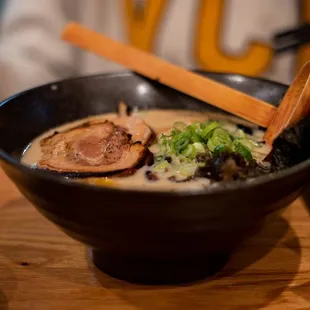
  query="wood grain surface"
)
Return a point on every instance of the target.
[{"x": 41, "y": 268}]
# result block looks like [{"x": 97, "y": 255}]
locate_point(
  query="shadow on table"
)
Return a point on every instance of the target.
[
  {"x": 306, "y": 197},
  {"x": 3, "y": 301},
  {"x": 254, "y": 276},
  {"x": 8, "y": 285}
]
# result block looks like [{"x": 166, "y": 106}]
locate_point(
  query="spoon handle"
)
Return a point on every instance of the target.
[{"x": 194, "y": 85}]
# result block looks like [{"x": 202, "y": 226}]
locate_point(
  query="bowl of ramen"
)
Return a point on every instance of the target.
[{"x": 157, "y": 184}]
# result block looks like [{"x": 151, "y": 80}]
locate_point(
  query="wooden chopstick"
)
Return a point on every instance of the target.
[
  {"x": 194, "y": 85},
  {"x": 294, "y": 106}
]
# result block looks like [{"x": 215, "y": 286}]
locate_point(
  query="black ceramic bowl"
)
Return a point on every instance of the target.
[{"x": 141, "y": 236}]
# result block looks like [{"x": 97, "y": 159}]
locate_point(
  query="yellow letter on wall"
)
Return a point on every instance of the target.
[
  {"x": 142, "y": 27},
  {"x": 303, "y": 54},
  {"x": 211, "y": 57}
]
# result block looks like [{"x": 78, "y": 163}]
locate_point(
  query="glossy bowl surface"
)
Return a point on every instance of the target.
[{"x": 141, "y": 236}]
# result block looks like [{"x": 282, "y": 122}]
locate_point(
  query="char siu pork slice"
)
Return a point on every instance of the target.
[
  {"x": 134, "y": 126},
  {"x": 137, "y": 128},
  {"x": 91, "y": 148}
]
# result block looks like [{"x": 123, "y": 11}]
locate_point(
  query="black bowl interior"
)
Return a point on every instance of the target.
[{"x": 29, "y": 114}]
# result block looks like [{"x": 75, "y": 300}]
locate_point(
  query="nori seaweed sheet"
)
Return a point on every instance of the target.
[{"x": 292, "y": 146}]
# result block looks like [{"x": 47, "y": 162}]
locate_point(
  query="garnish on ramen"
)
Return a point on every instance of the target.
[
  {"x": 206, "y": 150},
  {"x": 155, "y": 149}
]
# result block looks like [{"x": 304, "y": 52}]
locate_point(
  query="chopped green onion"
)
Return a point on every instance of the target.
[
  {"x": 207, "y": 131},
  {"x": 190, "y": 151},
  {"x": 181, "y": 159},
  {"x": 196, "y": 128},
  {"x": 180, "y": 143},
  {"x": 159, "y": 158},
  {"x": 196, "y": 137},
  {"x": 243, "y": 151},
  {"x": 222, "y": 148},
  {"x": 200, "y": 149},
  {"x": 186, "y": 142},
  {"x": 175, "y": 132},
  {"x": 188, "y": 169},
  {"x": 219, "y": 137},
  {"x": 179, "y": 126},
  {"x": 163, "y": 139},
  {"x": 246, "y": 143},
  {"x": 162, "y": 166}
]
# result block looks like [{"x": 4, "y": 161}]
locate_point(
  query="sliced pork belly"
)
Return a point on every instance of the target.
[
  {"x": 135, "y": 126},
  {"x": 94, "y": 147}
]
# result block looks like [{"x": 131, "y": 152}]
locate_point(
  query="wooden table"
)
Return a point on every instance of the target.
[{"x": 41, "y": 268}]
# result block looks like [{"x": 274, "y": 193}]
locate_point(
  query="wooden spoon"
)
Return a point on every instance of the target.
[{"x": 291, "y": 109}]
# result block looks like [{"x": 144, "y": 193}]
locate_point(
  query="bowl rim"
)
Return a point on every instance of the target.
[{"x": 221, "y": 188}]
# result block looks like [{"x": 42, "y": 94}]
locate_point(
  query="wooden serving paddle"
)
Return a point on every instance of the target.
[{"x": 291, "y": 109}]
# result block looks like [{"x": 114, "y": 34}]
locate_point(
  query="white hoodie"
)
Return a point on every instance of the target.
[{"x": 231, "y": 35}]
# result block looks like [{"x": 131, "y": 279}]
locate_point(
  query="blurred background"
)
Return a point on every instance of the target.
[{"x": 253, "y": 37}]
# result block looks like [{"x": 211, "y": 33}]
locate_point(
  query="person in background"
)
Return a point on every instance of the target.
[{"x": 217, "y": 35}]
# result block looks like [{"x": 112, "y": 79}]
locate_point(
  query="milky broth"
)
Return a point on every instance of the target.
[{"x": 160, "y": 121}]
